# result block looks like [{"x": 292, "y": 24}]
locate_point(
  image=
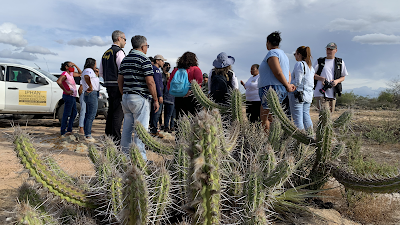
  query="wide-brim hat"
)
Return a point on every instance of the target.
[{"x": 223, "y": 60}]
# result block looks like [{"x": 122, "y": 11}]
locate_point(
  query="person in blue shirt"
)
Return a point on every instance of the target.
[
  {"x": 275, "y": 74},
  {"x": 158, "y": 63}
]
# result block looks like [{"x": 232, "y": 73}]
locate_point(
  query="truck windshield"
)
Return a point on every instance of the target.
[{"x": 48, "y": 75}]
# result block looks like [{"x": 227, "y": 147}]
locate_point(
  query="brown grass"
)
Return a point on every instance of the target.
[{"x": 364, "y": 208}]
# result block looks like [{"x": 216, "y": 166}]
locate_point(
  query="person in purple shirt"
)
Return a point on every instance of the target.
[{"x": 158, "y": 63}]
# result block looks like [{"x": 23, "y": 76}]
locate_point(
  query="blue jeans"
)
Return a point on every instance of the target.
[
  {"x": 135, "y": 108},
  {"x": 300, "y": 113},
  {"x": 169, "y": 116},
  {"x": 154, "y": 118},
  {"x": 279, "y": 89},
  {"x": 83, "y": 110},
  {"x": 92, "y": 102},
  {"x": 70, "y": 112}
]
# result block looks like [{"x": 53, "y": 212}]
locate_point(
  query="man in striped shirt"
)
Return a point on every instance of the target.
[{"x": 136, "y": 83}]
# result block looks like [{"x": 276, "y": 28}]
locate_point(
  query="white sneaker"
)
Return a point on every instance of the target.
[{"x": 90, "y": 139}]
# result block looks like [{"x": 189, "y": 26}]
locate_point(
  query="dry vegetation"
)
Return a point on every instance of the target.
[{"x": 380, "y": 149}]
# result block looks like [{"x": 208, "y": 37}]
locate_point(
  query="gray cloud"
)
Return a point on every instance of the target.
[
  {"x": 38, "y": 50},
  {"x": 94, "y": 41},
  {"x": 12, "y": 35},
  {"x": 6, "y": 53},
  {"x": 377, "y": 39},
  {"x": 59, "y": 41},
  {"x": 350, "y": 25}
]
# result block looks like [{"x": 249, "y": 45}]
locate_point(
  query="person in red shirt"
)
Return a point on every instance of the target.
[{"x": 188, "y": 103}]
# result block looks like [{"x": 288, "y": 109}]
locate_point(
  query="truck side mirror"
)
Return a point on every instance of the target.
[{"x": 41, "y": 80}]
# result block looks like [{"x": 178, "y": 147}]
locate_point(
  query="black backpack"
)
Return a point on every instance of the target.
[
  {"x": 220, "y": 86},
  {"x": 337, "y": 73}
]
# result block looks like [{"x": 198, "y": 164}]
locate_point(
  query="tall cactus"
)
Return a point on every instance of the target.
[{"x": 204, "y": 172}]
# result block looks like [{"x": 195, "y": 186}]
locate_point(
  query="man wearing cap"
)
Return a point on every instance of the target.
[
  {"x": 330, "y": 73},
  {"x": 158, "y": 63},
  {"x": 109, "y": 66}
]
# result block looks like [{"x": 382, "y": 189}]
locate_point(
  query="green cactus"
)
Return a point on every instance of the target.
[
  {"x": 152, "y": 142},
  {"x": 204, "y": 100},
  {"x": 375, "y": 185},
  {"x": 161, "y": 198},
  {"x": 31, "y": 216},
  {"x": 204, "y": 172},
  {"x": 137, "y": 198},
  {"x": 288, "y": 126},
  {"x": 38, "y": 169}
]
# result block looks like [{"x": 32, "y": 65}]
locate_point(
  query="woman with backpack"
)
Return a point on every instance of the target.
[
  {"x": 303, "y": 78},
  {"x": 187, "y": 103},
  {"x": 222, "y": 79}
]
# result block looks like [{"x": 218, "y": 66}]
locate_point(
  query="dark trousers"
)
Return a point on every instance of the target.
[
  {"x": 184, "y": 106},
  {"x": 114, "y": 114},
  {"x": 169, "y": 116},
  {"x": 253, "y": 109},
  {"x": 155, "y": 117}
]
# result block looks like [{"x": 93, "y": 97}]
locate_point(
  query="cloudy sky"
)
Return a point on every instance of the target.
[{"x": 367, "y": 32}]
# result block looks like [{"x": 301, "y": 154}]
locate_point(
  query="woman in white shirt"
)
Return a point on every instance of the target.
[
  {"x": 91, "y": 87},
  {"x": 303, "y": 78},
  {"x": 253, "y": 101}
]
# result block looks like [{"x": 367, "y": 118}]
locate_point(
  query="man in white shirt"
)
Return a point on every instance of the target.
[{"x": 330, "y": 73}]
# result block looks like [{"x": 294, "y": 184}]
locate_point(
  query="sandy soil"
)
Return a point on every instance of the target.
[{"x": 72, "y": 157}]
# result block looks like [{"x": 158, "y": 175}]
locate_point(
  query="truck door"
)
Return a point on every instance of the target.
[
  {"x": 23, "y": 93},
  {"x": 2, "y": 87}
]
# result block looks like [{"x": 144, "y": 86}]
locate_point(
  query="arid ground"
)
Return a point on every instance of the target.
[{"x": 72, "y": 157}]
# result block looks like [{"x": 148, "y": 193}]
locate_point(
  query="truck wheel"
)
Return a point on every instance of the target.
[{"x": 60, "y": 113}]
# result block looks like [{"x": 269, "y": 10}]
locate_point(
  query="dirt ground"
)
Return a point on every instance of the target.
[{"x": 72, "y": 157}]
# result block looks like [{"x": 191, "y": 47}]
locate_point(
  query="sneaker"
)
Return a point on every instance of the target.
[
  {"x": 157, "y": 135},
  {"x": 166, "y": 129},
  {"x": 90, "y": 139}
]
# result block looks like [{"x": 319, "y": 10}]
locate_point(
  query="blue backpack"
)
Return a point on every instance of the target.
[{"x": 179, "y": 85}]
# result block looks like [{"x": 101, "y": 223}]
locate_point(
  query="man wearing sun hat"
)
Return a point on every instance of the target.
[
  {"x": 330, "y": 73},
  {"x": 222, "y": 78}
]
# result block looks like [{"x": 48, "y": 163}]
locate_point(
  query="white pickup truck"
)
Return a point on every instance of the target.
[{"x": 30, "y": 91}]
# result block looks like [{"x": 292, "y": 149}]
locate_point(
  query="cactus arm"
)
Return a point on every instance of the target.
[
  {"x": 42, "y": 174},
  {"x": 153, "y": 144},
  {"x": 280, "y": 174},
  {"x": 287, "y": 125},
  {"x": 161, "y": 197},
  {"x": 232, "y": 139},
  {"x": 137, "y": 159},
  {"x": 384, "y": 185},
  {"x": 204, "y": 187},
  {"x": 137, "y": 197},
  {"x": 237, "y": 106},
  {"x": 204, "y": 100},
  {"x": 343, "y": 119}
]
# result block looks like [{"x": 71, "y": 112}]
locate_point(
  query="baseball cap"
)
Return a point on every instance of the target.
[
  {"x": 160, "y": 57},
  {"x": 205, "y": 75},
  {"x": 331, "y": 45}
]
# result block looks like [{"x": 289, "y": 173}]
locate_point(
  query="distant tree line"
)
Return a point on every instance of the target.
[{"x": 387, "y": 99}]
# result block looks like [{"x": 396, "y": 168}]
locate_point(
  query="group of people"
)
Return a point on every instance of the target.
[
  {"x": 139, "y": 87},
  {"x": 88, "y": 91},
  {"x": 321, "y": 80}
]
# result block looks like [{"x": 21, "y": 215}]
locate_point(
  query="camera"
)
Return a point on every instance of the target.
[
  {"x": 326, "y": 86},
  {"x": 298, "y": 95}
]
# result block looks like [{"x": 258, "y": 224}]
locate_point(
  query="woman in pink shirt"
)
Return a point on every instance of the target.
[
  {"x": 67, "y": 84},
  {"x": 188, "y": 103}
]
